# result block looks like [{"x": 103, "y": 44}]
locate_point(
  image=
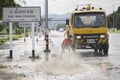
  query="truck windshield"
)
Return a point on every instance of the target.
[{"x": 90, "y": 19}]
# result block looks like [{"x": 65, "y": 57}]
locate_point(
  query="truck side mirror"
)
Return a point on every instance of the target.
[{"x": 67, "y": 21}]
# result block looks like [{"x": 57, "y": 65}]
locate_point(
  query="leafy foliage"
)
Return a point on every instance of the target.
[
  {"x": 1, "y": 27},
  {"x": 61, "y": 26},
  {"x": 7, "y": 3},
  {"x": 114, "y": 17}
]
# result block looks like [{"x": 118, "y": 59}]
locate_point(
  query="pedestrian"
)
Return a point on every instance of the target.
[
  {"x": 66, "y": 44},
  {"x": 67, "y": 31}
]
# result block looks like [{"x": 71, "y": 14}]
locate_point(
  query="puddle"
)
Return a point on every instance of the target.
[
  {"x": 65, "y": 65},
  {"x": 4, "y": 46}
]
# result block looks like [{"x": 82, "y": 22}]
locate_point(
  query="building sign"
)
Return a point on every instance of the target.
[
  {"x": 28, "y": 24},
  {"x": 30, "y": 14}
]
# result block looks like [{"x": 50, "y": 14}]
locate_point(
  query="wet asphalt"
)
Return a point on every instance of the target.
[{"x": 83, "y": 65}]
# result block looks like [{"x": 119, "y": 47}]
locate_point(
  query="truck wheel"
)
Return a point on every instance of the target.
[
  {"x": 95, "y": 50},
  {"x": 105, "y": 52},
  {"x": 105, "y": 49}
]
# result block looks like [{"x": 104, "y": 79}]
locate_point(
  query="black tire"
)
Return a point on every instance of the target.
[
  {"x": 105, "y": 49},
  {"x": 96, "y": 50},
  {"x": 105, "y": 52}
]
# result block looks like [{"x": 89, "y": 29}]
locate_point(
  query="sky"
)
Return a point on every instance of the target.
[{"x": 67, "y": 6}]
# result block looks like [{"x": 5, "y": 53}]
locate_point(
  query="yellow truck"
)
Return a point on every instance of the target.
[{"x": 88, "y": 29}]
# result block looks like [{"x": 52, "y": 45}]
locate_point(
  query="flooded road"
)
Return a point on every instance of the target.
[{"x": 83, "y": 65}]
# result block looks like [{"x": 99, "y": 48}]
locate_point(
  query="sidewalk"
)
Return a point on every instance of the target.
[{"x": 24, "y": 48}]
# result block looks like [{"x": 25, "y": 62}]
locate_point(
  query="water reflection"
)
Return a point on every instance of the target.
[
  {"x": 4, "y": 46},
  {"x": 47, "y": 56}
]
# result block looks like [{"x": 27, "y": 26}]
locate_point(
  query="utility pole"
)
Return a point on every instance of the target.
[
  {"x": 24, "y": 27},
  {"x": 46, "y": 27},
  {"x": 113, "y": 17}
]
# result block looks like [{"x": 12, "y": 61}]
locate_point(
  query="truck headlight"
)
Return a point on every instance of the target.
[
  {"x": 102, "y": 36},
  {"x": 78, "y": 37}
]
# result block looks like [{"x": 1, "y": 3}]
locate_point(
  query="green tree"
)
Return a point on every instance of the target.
[
  {"x": 118, "y": 9},
  {"x": 17, "y": 29},
  {"x": 61, "y": 26},
  {"x": 6, "y": 3},
  {"x": 2, "y": 26},
  {"x": 116, "y": 15}
]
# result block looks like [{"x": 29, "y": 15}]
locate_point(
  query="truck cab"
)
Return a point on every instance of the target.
[{"x": 88, "y": 28}]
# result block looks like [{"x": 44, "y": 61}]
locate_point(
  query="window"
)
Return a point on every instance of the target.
[{"x": 89, "y": 19}]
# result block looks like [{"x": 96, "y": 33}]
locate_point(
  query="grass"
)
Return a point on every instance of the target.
[
  {"x": 3, "y": 40},
  {"x": 2, "y": 66},
  {"x": 8, "y": 57},
  {"x": 16, "y": 37},
  {"x": 116, "y": 31},
  {"x": 36, "y": 57},
  {"x": 6, "y": 39}
]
